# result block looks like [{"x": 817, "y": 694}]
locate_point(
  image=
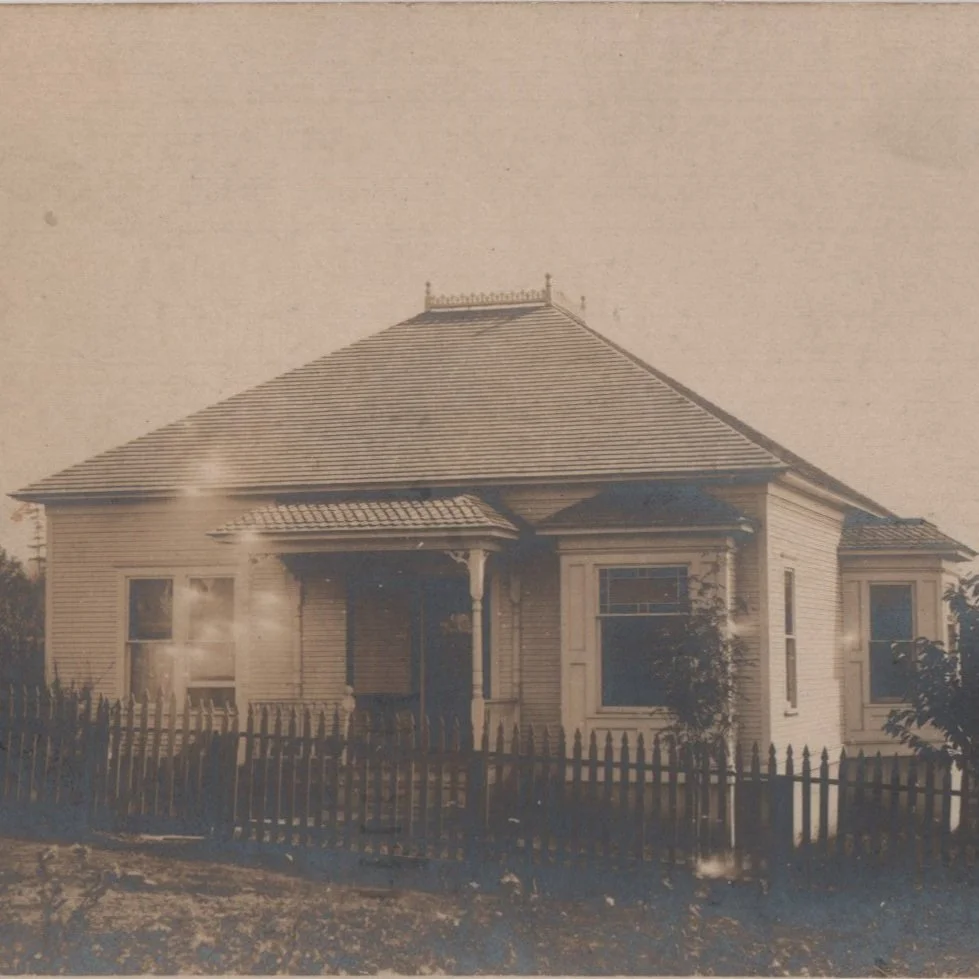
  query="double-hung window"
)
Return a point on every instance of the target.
[
  {"x": 643, "y": 611},
  {"x": 791, "y": 665},
  {"x": 180, "y": 637},
  {"x": 891, "y": 622}
]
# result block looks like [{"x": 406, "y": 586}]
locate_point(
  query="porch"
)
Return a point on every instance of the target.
[{"x": 404, "y": 610}]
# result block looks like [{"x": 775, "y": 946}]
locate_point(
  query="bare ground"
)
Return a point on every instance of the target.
[{"x": 133, "y": 907}]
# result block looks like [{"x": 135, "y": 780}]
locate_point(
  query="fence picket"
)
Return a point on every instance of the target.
[
  {"x": 824, "y": 803},
  {"x": 411, "y": 755},
  {"x": 673, "y": 823},
  {"x": 424, "y": 755},
  {"x": 806, "y": 809},
  {"x": 945, "y": 828},
  {"x": 623, "y": 841},
  {"x": 724, "y": 814},
  {"x": 928, "y": 834},
  {"x": 35, "y": 728},
  {"x": 455, "y": 789},
  {"x": 153, "y": 775},
  {"x": 656, "y": 801},
  {"x": 689, "y": 820},
  {"x": 261, "y": 789},
  {"x": 363, "y": 785},
  {"x": 348, "y": 759},
  {"x": 438, "y": 788},
  {"x": 169, "y": 775},
  {"x": 911, "y": 815},
  {"x": 640, "y": 795},
  {"x": 313, "y": 777},
  {"x": 860, "y": 808},
  {"x": 842, "y": 806},
  {"x": 574, "y": 816},
  {"x": 291, "y": 749},
  {"x": 559, "y": 806},
  {"x": 543, "y": 811},
  {"x": 706, "y": 835},
  {"x": 877, "y": 795}
]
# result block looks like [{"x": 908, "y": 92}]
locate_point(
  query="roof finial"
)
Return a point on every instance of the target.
[
  {"x": 428, "y": 295},
  {"x": 547, "y": 287},
  {"x": 582, "y": 305}
]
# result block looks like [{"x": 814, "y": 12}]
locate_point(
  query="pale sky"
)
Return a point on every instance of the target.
[{"x": 778, "y": 205}]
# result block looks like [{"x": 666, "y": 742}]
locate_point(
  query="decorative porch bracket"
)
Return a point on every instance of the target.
[{"x": 475, "y": 562}]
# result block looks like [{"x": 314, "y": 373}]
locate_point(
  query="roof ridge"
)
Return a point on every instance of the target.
[{"x": 784, "y": 455}]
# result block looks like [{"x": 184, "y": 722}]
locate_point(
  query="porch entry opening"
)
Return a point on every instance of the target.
[{"x": 409, "y": 647}]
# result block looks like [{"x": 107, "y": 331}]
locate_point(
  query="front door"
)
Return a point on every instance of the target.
[{"x": 446, "y": 660}]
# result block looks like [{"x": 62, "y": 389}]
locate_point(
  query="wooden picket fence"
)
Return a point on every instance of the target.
[{"x": 298, "y": 778}]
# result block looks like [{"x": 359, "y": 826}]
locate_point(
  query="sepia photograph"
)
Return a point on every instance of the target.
[{"x": 489, "y": 488}]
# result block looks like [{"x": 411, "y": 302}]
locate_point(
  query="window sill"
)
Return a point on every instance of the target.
[{"x": 790, "y": 712}]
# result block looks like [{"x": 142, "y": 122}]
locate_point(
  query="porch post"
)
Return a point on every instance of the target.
[{"x": 476, "y": 561}]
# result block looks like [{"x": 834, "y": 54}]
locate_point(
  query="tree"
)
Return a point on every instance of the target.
[
  {"x": 702, "y": 676},
  {"x": 943, "y": 687},
  {"x": 21, "y": 623}
]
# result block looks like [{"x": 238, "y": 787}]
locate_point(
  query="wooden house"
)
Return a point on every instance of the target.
[{"x": 487, "y": 511}]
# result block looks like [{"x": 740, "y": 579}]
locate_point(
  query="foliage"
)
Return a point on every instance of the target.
[
  {"x": 702, "y": 679},
  {"x": 21, "y": 623},
  {"x": 943, "y": 687}
]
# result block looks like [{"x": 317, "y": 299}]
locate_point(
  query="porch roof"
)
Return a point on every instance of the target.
[
  {"x": 649, "y": 507},
  {"x": 464, "y": 512},
  {"x": 864, "y": 532}
]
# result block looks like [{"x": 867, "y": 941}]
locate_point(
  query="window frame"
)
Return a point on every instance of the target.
[
  {"x": 683, "y": 575},
  {"x": 180, "y": 630},
  {"x": 791, "y": 639},
  {"x": 869, "y": 640}
]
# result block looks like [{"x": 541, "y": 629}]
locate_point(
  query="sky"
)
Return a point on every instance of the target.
[{"x": 777, "y": 205}]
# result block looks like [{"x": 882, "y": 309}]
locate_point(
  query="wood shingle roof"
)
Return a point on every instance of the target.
[
  {"x": 451, "y": 397},
  {"x": 863, "y": 532},
  {"x": 464, "y": 511}
]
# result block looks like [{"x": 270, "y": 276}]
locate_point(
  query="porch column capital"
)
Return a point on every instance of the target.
[{"x": 475, "y": 562}]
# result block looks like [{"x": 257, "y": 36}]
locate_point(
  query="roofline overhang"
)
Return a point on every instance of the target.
[
  {"x": 949, "y": 553},
  {"x": 752, "y": 475},
  {"x": 719, "y": 530},
  {"x": 303, "y": 542}
]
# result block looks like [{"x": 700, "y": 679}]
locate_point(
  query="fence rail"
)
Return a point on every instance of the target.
[{"x": 309, "y": 778}]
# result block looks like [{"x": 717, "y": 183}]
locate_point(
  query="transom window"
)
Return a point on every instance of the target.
[
  {"x": 891, "y": 622},
  {"x": 642, "y": 613},
  {"x": 180, "y": 638}
]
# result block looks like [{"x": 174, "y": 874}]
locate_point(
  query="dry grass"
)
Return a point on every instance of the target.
[{"x": 94, "y": 909}]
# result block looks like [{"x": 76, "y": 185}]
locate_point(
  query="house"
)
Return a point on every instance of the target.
[{"x": 487, "y": 511}]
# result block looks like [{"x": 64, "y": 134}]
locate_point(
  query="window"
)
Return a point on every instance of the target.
[
  {"x": 210, "y": 641},
  {"x": 891, "y": 621},
  {"x": 791, "y": 674},
  {"x": 642, "y": 612},
  {"x": 151, "y": 654},
  {"x": 180, "y": 638}
]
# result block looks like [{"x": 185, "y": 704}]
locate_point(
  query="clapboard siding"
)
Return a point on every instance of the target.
[
  {"x": 501, "y": 635},
  {"x": 752, "y": 628},
  {"x": 93, "y": 546},
  {"x": 803, "y": 536},
  {"x": 270, "y": 633},
  {"x": 540, "y": 657},
  {"x": 324, "y": 639}
]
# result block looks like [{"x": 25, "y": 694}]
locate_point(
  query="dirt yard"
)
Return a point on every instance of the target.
[{"x": 122, "y": 907}]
